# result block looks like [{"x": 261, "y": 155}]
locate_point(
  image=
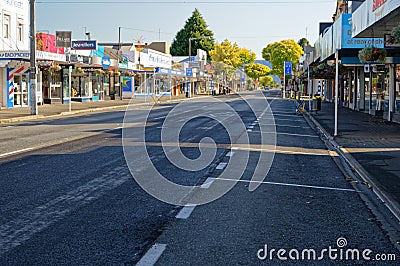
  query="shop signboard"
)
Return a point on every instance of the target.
[
  {"x": 63, "y": 39},
  {"x": 47, "y": 43},
  {"x": 16, "y": 6},
  {"x": 371, "y": 12},
  {"x": 151, "y": 58},
  {"x": 355, "y": 43},
  {"x": 166, "y": 71},
  {"x": 127, "y": 87},
  {"x": 84, "y": 45},
  {"x": 15, "y": 55},
  {"x": 99, "y": 52},
  {"x": 106, "y": 62},
  {"x": 43, "y": 55}
]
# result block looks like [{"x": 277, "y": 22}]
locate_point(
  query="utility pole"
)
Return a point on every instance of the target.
[
  {"x": 32, "y": 75},
  {"x": 119, "y": 38}
]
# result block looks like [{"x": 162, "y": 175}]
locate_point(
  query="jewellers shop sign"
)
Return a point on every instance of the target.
[
  {"x": 15, "y": 55},
  {"x": 84, "y": 45}
]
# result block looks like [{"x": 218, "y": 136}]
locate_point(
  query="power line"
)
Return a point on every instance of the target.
[
  {"x": 150, "y": 31},
  {"x": 183, "y": 2}
]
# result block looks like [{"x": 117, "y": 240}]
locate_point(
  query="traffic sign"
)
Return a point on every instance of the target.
[
  {"x": 189, "y": 72},
  {"x": 288, "y": 68}
]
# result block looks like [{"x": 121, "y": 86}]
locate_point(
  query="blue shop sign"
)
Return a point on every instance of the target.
[
  {"x": 84, "y": 45},
  {"x": 356, "y": 43},
  {"x": 106, "y": 62}
]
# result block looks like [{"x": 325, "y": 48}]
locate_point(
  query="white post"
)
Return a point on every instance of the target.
[
  {"x": 32, "y": 75},
  {"x": 190, "y": 87},
  {"x": 309, "y": 88},
  {"x": 392, "y": 92},
  {"x": 336, "y": 92},
  {"x": 145, "y": 87},
  {"x": 70, "y": 88},
  {"x": 170, "y": 88},
  {"x": 284, "y": 81}
]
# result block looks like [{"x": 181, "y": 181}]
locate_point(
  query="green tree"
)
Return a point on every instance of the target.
[
  {"x": 303, "y": 42},
  {"x": 195, "y": 27},
  {"x": 231, "y": 54},
  {"x": 267, "y": 80},
  {"x": 279, "y": 52},
  {"x": 246, "y": 56},
  {"x": 256, "y": 71}
]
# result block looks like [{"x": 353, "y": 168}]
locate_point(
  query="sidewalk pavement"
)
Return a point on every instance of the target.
[
  {"x": 371, "y": 146},
  {"x": 19, "y": 114}
]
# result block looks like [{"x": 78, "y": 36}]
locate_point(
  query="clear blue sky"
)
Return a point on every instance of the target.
[{"x": 252, "y": 24}]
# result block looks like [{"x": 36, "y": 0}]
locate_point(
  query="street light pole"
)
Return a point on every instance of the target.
[
  {"x": 32, "y": 74},
  {"x": 336, "y": 92},
  {"x": 190, "y": 58},
  {"x": 119, "y": 38},
  {"x": 284, "y": 80}
]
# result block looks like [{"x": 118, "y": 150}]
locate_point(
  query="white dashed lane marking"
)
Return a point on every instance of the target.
[
  {"x": 152, "y": 255},
  {"x": 230, "y": 154},
  {"x": 185, "y": 212},
  {"x": 221, "y": 166},
  {"x": 208, "y": 183}
]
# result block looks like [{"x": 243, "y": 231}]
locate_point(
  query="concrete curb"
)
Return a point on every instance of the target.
[
  {"x": 36, "y": 117},
  {"x": 389, "y": 202},
  {"x": 85, "y": 111}
]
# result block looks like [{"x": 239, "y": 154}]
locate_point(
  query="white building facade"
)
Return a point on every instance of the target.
[{"x": 14, "y": 53}]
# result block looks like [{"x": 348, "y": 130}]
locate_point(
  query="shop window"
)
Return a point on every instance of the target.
[
  {"x": 20, "y": 30},
  {"x": 6, "y": 26},
  {"x": 55, "y": 85}
]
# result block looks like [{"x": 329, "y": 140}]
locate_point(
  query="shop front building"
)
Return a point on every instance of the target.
[
  {"x": 14, "y": 54},
  {"x": 49, "y": 62},
  {"x": 381, "y": 87},
  {"x": 362, "y": 86}
]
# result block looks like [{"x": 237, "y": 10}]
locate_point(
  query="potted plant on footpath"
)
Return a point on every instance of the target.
[{"x": 372, "y": 54}]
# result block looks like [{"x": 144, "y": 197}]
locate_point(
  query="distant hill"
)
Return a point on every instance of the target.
[{"x": 263, "y": 62}]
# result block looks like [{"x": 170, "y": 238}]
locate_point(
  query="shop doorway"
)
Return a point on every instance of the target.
[{"x": 21, "y": 90}]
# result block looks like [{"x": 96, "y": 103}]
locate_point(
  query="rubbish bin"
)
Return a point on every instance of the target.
[{"x": 319, "y": 102}]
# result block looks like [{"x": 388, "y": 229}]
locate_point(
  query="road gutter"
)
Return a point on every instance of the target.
[{"x": 389, "y": 202}]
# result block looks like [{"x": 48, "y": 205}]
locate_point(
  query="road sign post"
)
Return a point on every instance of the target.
[{"x": 287, "y": 70}]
